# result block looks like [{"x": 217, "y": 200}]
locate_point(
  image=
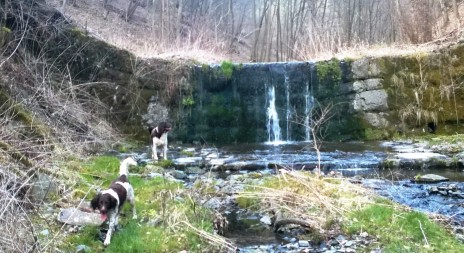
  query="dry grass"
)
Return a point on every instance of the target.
[
  {"x": 316, "y": 200},
  {"x": 142, "y": 38}
]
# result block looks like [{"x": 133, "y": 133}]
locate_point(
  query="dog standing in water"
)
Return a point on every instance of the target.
[
  {"x": 109, "y": 202},
  {"x": 159, "y": 136}
]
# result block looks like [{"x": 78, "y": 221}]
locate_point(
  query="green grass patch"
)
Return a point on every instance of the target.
[
  {"x": 399, "y": 230},
  {"x": 156, "y": 199}
]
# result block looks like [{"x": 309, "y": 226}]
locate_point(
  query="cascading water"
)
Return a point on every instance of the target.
[
  {"x": 309, "y": 103},
  {"x": 273, "y": 128},
  {"x": 288, "y": 114},
  {"x": 261, "y": 102}
]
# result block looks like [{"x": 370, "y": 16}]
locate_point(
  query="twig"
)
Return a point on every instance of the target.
[{"x": 425, "y": 238}]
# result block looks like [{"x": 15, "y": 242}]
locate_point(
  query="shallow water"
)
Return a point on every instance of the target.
[{"x": 349, "y": 159}]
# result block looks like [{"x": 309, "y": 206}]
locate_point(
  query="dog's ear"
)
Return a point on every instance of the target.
[{"x": 94, "y": 201}]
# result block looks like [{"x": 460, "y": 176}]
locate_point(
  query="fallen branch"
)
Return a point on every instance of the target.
[{"x": 280, "y": 221}]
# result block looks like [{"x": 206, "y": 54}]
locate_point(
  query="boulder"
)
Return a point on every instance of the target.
[{"x": 429, "y": 178}]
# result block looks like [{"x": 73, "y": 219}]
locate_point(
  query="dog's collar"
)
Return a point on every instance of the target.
[{"x": 113, "y": 194}]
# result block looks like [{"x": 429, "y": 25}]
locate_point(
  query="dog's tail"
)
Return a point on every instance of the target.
[{"x": 124, "y": 167}]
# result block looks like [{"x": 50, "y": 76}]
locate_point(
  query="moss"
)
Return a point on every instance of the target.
[
  {"x": 227, "y": 69},
  {"x": 165, "y": 163},
  {"x": 329, "y": 70},
  {"x": 424, "y": 88},
  {"x": 188, "y": 101},
  {"x": 186, "y": 153},
  {"x": 19, "y": 113}
]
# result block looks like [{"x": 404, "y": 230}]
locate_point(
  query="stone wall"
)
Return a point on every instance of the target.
[{"x": 408, "y": 95}]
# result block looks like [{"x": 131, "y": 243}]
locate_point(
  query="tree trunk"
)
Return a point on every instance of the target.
[{"x": 456, "y": 13}]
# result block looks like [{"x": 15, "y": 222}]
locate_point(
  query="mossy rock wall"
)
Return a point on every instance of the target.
[
  {"x": 379, "y": 98},
  {"x": 425, "y": 91}
]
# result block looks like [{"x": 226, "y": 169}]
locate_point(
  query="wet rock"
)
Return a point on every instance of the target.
[
  {"x": 74, "y": 216},
  {"x": 429, "y": 178},
  {"x": 177, "y": 174},
  {"x": 303, "y": 244},
  {"x": 266, "y": 220}
]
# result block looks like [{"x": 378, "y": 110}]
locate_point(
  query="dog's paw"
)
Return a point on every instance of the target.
[
  {"x": 134, "y": 217},
  {"x": 106, "y": 242}
]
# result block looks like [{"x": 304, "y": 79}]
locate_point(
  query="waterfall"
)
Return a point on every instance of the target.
[
  {"x": 308, "y": 107},
  {"x": 287, "y": 94},
  {"x": 273, "y": 128}
]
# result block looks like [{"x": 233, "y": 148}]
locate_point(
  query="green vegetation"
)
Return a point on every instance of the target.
[
  {"x": 188, "y": 101},
  {"x": 400, "y": 230},
  {"x": 187, "y": 153},
  {"x": 169, "y": 221},
  {"x": 164, "y": 163},
  {"x": 227, "y": 68},
  {"x": 329, "y": 70}
]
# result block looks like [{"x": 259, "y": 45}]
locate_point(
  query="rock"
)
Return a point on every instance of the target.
[
  {"x": 82, "y": 248},
  {"x": 373, "y": 100},
  {"x": 74, "y": 216},
  {"x": 213, "y": 203},
  {"x": 303, "y": 243},
  {"x": 177, "y": 174},
  {"x": 193, "y": 170},
  {"x": 154, "y": 222},
  {"x": 349, "y": 243},
  {"x": 266, "y": 219},
  {"x": 42, "y": 185},
  {"x": 429, "y": 178},
  {"x": 460, "y": 237},
  {"x": 150, "y": 168},
  {"x": 365, "y": 68}
]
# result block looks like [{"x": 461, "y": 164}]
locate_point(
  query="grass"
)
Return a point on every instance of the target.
[
  {"x": 183, "y": 225},
  {"x": 400, "y": 230}
]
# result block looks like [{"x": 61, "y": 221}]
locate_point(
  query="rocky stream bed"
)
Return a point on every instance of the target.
[{"x": 389, "y": 168}]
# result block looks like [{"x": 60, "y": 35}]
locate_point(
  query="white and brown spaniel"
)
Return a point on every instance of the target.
[
  {"x": 109, "y": 202},
  {"x": 159, "y": 136}
]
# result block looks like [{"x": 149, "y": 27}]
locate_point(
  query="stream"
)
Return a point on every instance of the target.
[{"x": 353, "y": 160}]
